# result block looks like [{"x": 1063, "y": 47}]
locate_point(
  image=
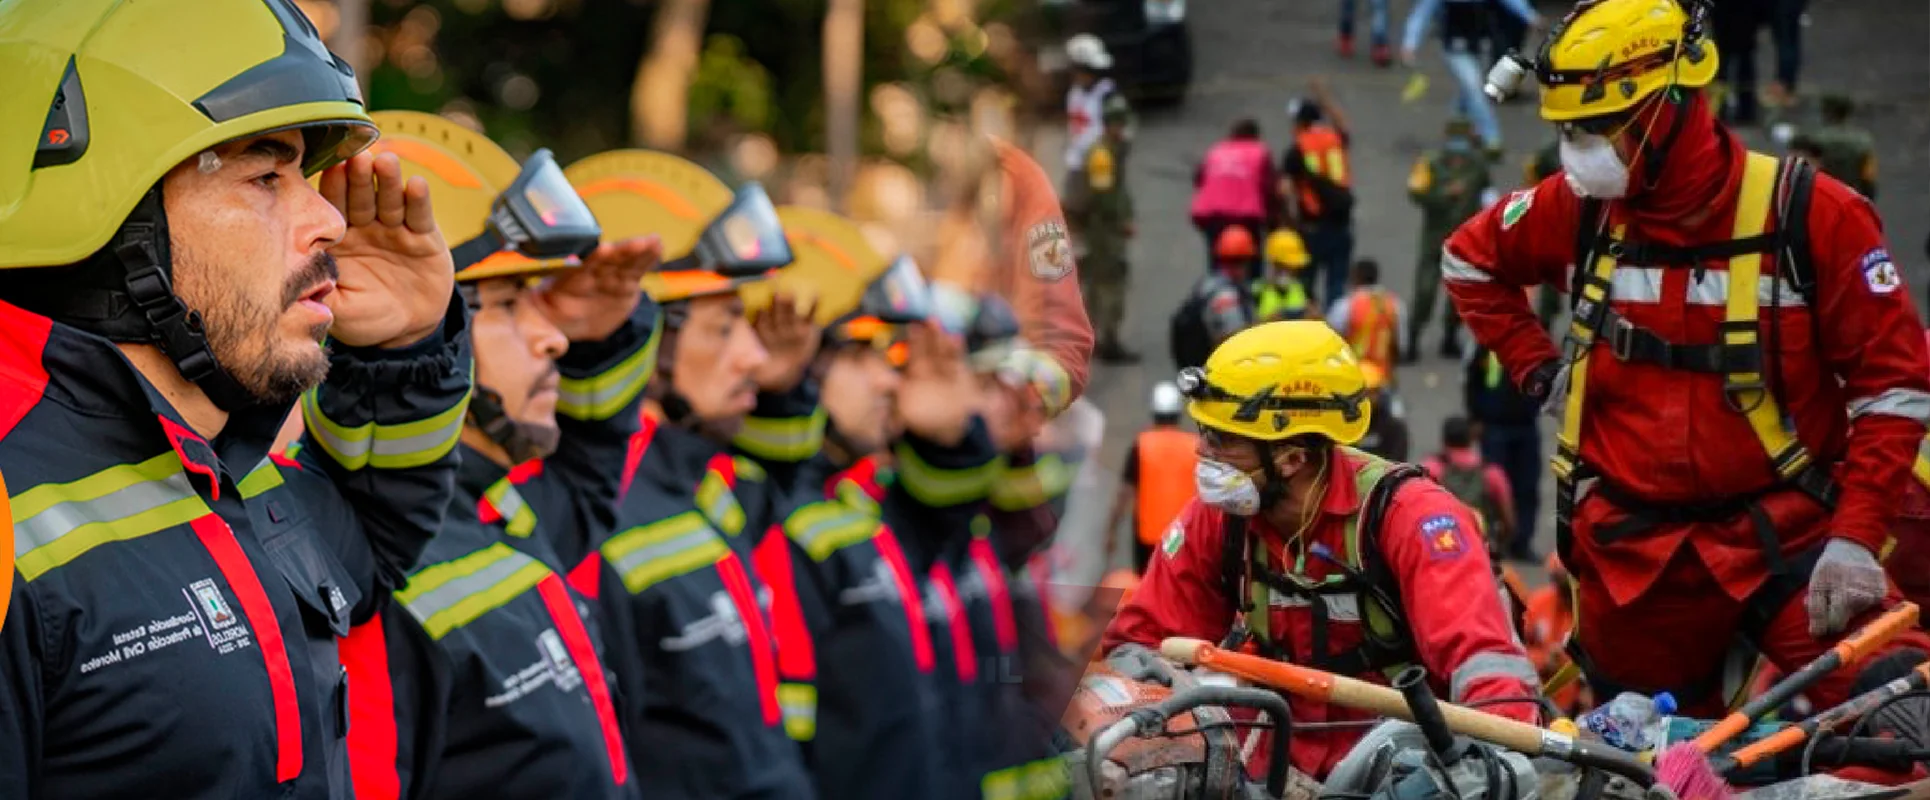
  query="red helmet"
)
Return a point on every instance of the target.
[{"x": 1234, "y": 242}]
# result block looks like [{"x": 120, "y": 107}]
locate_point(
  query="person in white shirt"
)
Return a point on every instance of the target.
[{"x": 1086, "y": 99}]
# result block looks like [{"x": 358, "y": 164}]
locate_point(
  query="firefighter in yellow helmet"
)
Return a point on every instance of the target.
[
  {"x": 1281, "y": 291},
  {"x": 1749, "y": 299},
  {"x": 1293, "y": 524},
  {"x": 170, "y": 286},
  {"x": 563, "y": 348}
]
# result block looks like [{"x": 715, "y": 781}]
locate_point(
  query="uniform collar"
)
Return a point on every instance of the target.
[
  {"x": 476, "y": 472},
  {"x": 685, "y": 463},
  {"x": 89, "y": 374}
]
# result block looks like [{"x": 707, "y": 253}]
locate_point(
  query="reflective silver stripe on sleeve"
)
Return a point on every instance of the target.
[
  {"x": 61, "y": 518},
  {"x": 1455, "y": 269},
  {"x": 1491, "y": 665},
  {"x": 501, "y": 564},
  {"x": 664, "y": 549},
  {"x": 1906, "y": 403}
]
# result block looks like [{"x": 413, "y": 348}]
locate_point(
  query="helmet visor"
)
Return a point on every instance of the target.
[
  {"x": 541, "y": 215},
  {"x": 898, "y": 296},
  {"x": 746, "y": 239}
]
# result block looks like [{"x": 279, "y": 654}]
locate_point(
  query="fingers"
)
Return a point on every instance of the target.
[
  {"x": 389, "y": 207},
  {"x": 335, "y": 187},
  {"x": 360, "y": 205},
  {"x": 1822, "y": 605},
  {"x": 417, "y": 213}
]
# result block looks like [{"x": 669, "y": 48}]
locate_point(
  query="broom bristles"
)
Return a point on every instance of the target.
[{"x": 1686, "y": 770}]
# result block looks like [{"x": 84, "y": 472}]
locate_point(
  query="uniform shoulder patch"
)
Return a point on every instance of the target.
[
  {"x": 1174, "y": 539},
  {"x": 1517, "y": 207},
  {"x": 1880, "y": 272},
  {"x": 1051, "y": 250},
  {"x": 1445, "y": 541}
]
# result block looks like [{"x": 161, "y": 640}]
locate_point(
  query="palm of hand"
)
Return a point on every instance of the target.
[
  {"x": 591, "y": 303},
  {"x": 939, "y": 395},
  {"x": 391, "y": 278},
  {"x": 790, "y": 337}
]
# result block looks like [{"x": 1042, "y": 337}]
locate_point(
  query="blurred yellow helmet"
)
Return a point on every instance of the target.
[
  {"x": 466, "y": 172},
  {"x": 1608, "y": 56},
  {"x": 1279, "y": 380},
  {"x": 1287, "y": 249},
  {"x": 832, "y": 263},
  {"x": 104, "y": 97},
  {"x": 644, "y": 192}
]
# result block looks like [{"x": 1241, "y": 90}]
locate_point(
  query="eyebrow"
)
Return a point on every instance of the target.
[{"x": 282, "y": 152}]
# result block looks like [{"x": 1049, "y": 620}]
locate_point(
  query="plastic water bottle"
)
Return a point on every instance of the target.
[{"x": 1628, "y": 721}]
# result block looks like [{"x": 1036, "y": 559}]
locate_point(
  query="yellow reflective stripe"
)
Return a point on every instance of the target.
[
  {"x": 410, "y": 444},
  {"x": 825, "y": 527},
  {"x": 799, "y": 702},
  {"x": 263, "y": 477},
  {"x": 1752, "y": 211},
  {"x": 1569, "y": 439},
  {"x": 717, "y": 502},
  {"x": 1337, "y": 165},
  {"x": 786, "y": 439},
  {"x": 55, "y": 523},
  {"x": 518, "y": 519},
  {"x": 935, "y": 486},
  {"x": 601, "y": 396},
  {"x": 452, "y": 594},
  {"x": 1020, "y": 488},
  {"x": 1044, "y": 779},
  {"x": 650, "y": 554},
  {"x": 1921, "y": 467}
]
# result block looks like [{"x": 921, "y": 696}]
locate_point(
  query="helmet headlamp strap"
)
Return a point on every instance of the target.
[{"x": 521, "y": 442}]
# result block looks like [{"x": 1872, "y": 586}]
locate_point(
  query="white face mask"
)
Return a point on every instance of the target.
[
  {"x": 1226, "y": 488},
  {"x": 1592, "y": 168}
]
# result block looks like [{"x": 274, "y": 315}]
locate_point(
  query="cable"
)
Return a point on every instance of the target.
[{"x": 1809, "y": 749}]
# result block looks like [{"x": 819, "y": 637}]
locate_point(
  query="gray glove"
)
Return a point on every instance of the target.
[
  {"x": 1847, "y": 581},
  {"x": 1139, "y": 663}
]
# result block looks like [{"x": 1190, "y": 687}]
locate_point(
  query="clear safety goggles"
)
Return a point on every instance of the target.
[{"x": 539, "y": 215}]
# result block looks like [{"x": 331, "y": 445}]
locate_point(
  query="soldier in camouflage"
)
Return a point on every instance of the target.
[
  {"x": 1105, "y": 224},
  {"x": 1447, "y": 185}
]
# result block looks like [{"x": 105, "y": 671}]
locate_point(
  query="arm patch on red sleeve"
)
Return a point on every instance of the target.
[{"x": 1445, "y": 542}]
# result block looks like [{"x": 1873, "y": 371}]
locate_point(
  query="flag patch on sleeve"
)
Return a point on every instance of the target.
[{"x": 1443, "y": 536}]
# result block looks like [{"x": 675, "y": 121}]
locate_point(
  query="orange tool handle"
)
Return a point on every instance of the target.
[{"x": 1848, "y": 651}]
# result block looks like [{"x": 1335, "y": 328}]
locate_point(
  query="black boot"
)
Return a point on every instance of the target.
[
  {"x": 1451, "y": 344},
  {"x": 1111, "y": 351},
  {"x": 1412, "y": 352}
]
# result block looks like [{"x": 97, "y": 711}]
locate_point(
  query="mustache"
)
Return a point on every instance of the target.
[
  {"x": 549, "y": 381},
  {"x": 321, "y": 267}
]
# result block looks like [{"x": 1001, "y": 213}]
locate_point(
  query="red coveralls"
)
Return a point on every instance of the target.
[
  {"x": 1038, "y": 277},
  {"x": 1668, "y": 438},
  {"x": 1461, "y": 632}
]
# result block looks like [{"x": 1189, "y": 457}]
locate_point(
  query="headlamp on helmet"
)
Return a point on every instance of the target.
[{"x": 539, "y": 215}]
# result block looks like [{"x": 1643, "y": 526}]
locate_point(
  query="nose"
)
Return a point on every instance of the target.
[
  {"x": 885, "y": 378},
  {"x": 319, "y": 224},
  {"x": 747, "y": 352},
  {"x": 545, "y": 339}
]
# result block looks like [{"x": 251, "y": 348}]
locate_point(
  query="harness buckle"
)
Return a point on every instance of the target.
[{"x": 1621, "y": 338}]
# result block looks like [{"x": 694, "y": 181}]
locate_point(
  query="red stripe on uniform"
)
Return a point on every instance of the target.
[
  {"x": 521, "y": 473},
  {"x": 486, "y": 512},
  {"x": 576, "y": 639},
  {"x": 964, "y": 652},
  {"x": 725, "y": 467},
  {"x": 739, "y": 586},
  {"x": 633, "y": 455},
  {"x": 177, "y": 434},
  {"x": 796, "y": 656},
  {"x": 219, "y": 539},
  {"x": 23, "y": 340},
  {"x": 1003, "y": 620},
  {"x": 371, "y": 712},
  {"x": 586, "y": 577},
  {"x": 887, "y": 543}
]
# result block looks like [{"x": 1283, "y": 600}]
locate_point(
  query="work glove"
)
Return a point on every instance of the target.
[
  {"x": 1139, "y": 663},
  {"x": 1846, "y": 582},
  {"x": 1548, "y": 385}
]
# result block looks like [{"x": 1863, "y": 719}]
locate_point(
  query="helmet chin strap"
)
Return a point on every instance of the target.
[
  {"x": 520, "y": 440},
  {"x": 125, "y": 293}
]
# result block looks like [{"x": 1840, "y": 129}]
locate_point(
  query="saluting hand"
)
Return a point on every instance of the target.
[
  {"x": 591, "y": 303},
  {"x": 396, "y": 272},
  {"x": 791, "y": 335},
  {"x": 939, "y": 395}
]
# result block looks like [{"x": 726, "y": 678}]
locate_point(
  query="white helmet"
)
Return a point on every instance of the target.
[
  {"x": 1087, "y": 51},
  {"x": 1167, "y": 400}
]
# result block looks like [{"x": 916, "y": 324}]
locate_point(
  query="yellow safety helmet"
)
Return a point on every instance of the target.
[
  {"x": 641, "y": 192},
  {"x": 466, "y": 173},
  {"x": 831, "y": 263},
  {"x": 1279, "y": 380},
  {"x": 1287, "y": 249},
  {"x": 104, "y": 97},
  {"x": 1606, "y": 57}
]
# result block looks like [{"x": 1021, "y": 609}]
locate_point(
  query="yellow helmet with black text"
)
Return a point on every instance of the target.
[
  {"x": 1278, "y": 380},
  {"x": 1607, "y": 56}
]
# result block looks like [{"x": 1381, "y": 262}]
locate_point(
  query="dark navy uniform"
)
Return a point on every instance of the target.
[
  {"x": 485, "y": 680},
  {"x": 690, "y": 624},
  {"x": 172, "y": 627}
]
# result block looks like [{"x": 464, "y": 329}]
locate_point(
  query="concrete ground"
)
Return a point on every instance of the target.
[{"x": 1254, "y": 55}]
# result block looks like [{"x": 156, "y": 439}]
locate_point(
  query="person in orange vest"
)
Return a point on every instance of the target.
[
  {"x": 1545, "y": 624},
  {"x": 1370, "y": 317},
  {"x": 1319, "y": 179},
  {"x": 1234, "y": 185},
  {"x": 1158, "y": 479}
]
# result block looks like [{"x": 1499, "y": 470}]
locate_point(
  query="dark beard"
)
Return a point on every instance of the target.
[{"x": 242, "y": 333}]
